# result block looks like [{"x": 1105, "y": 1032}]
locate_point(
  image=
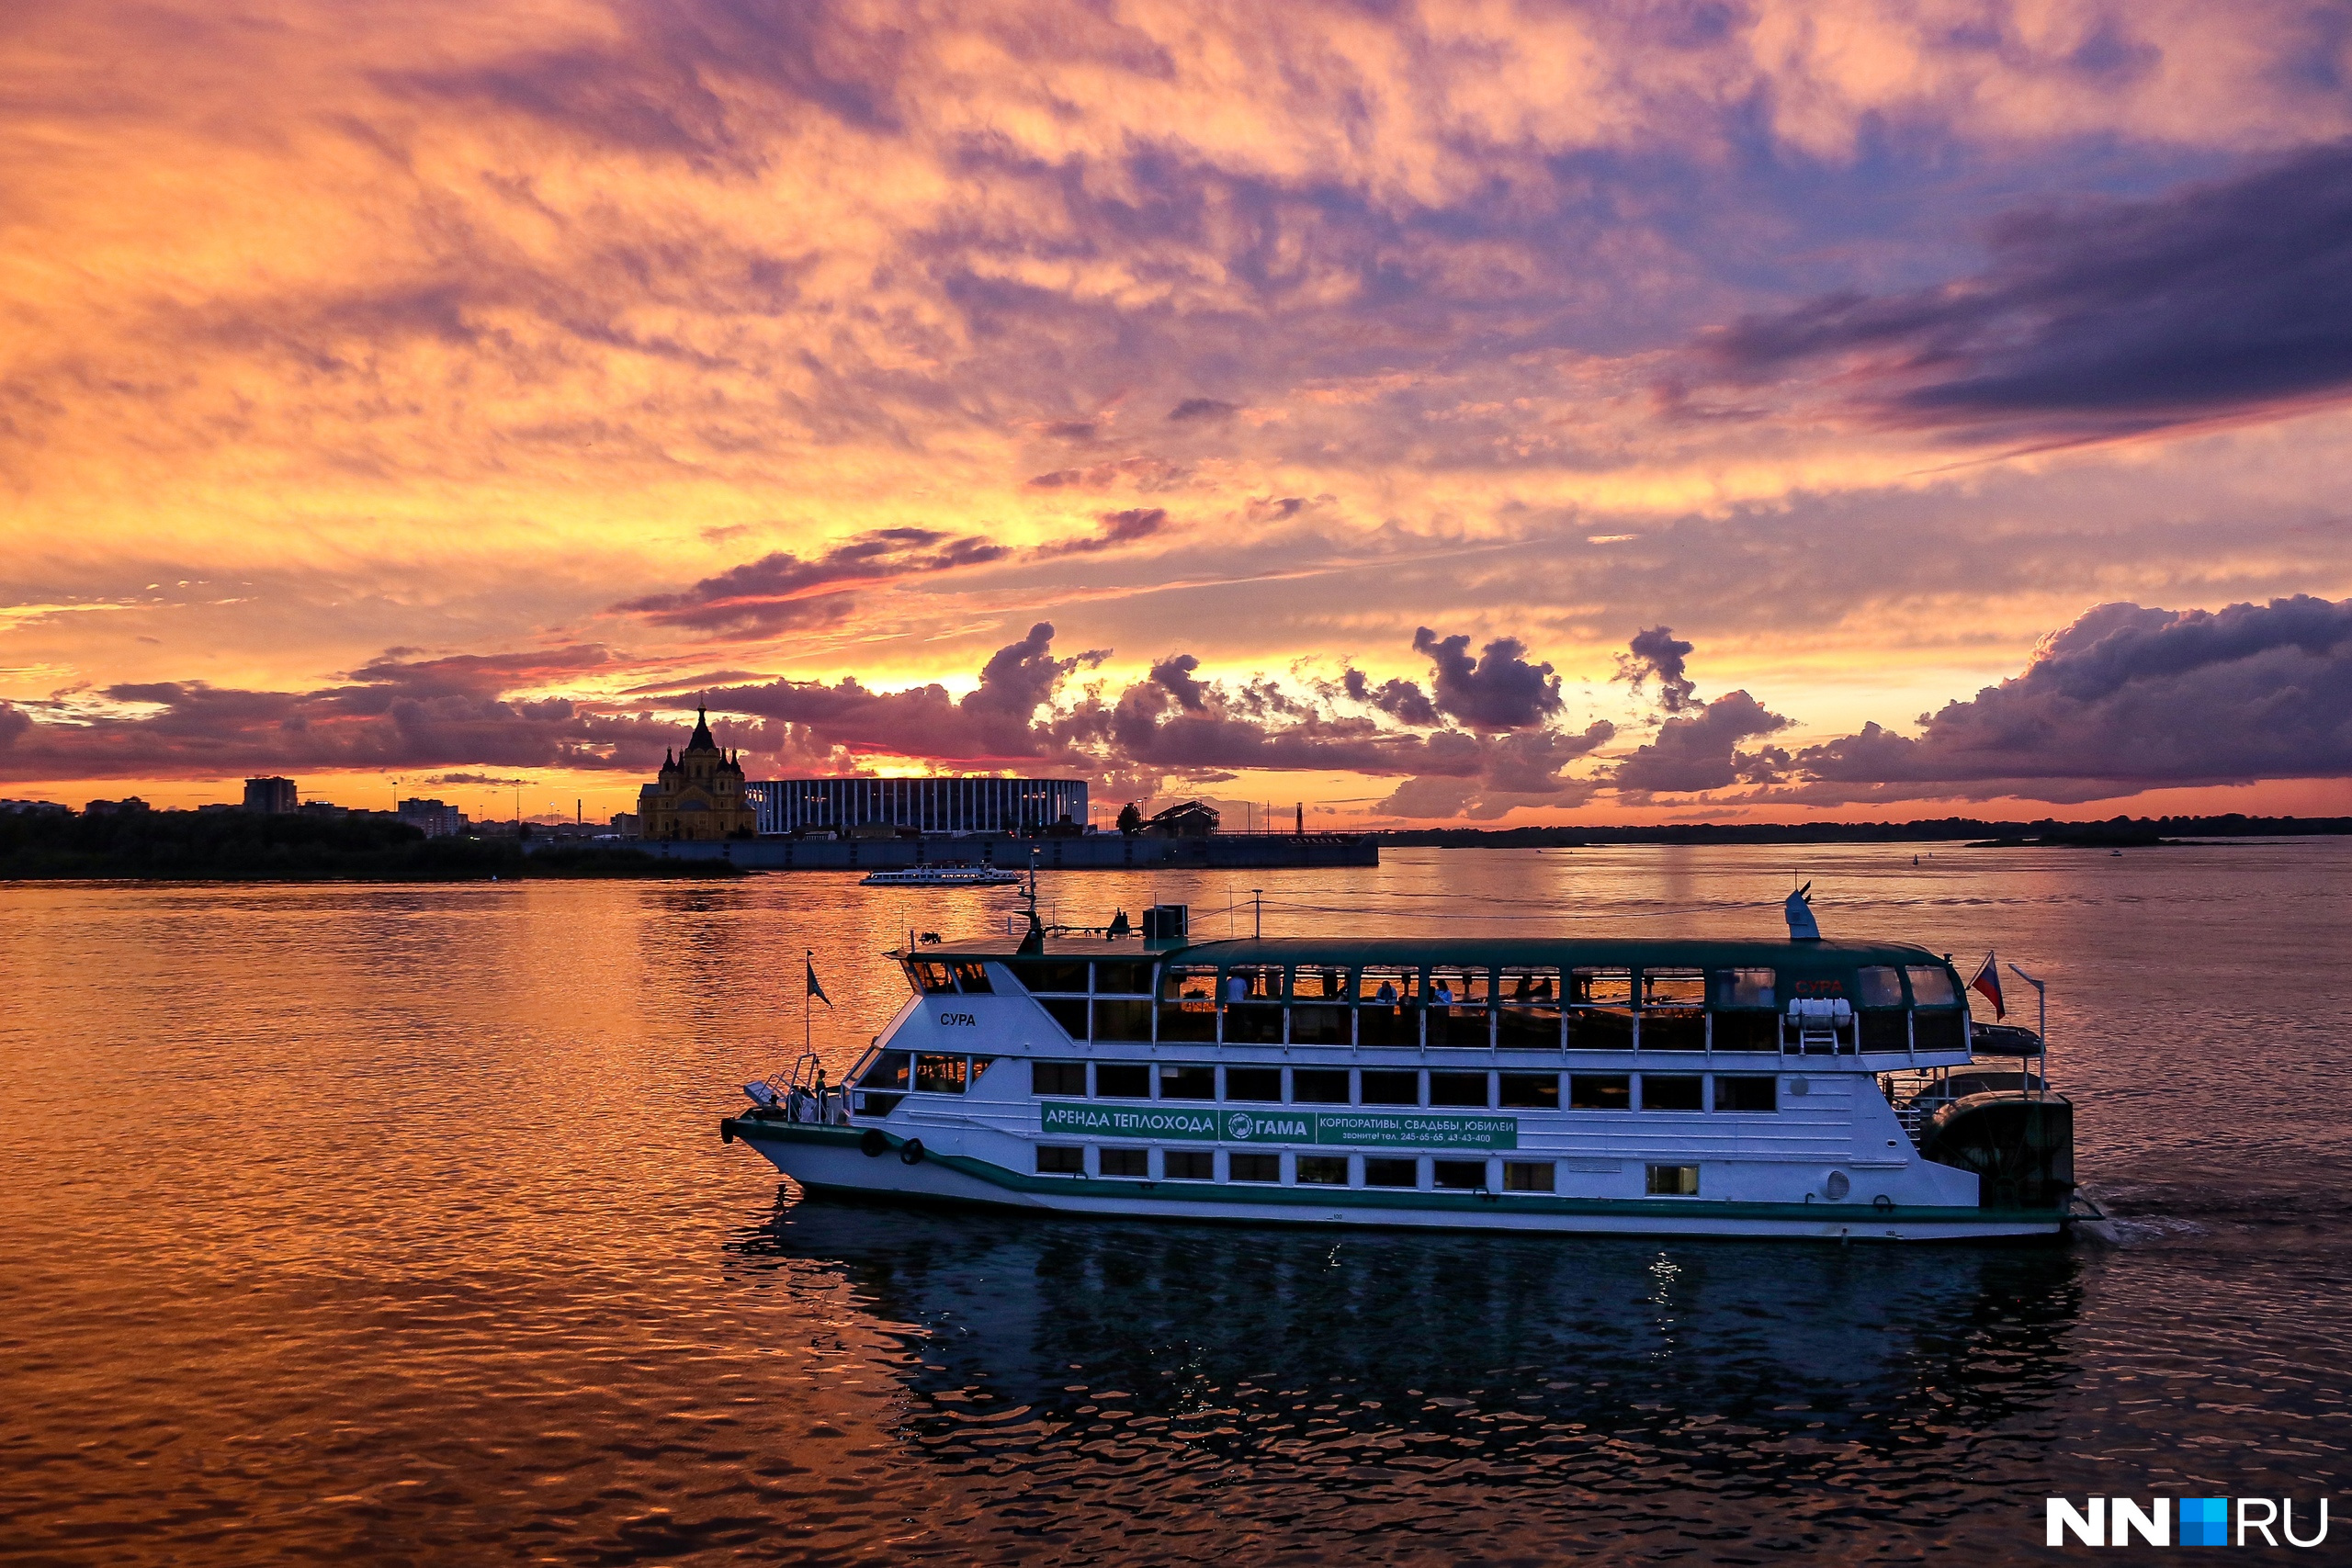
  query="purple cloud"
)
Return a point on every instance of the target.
[
  {"x": 1659, "y": 652},
  {"x": 1499, "y": 691},
  {"x": 781, "y": 590},
  {"x": 2127, "y": 699}
]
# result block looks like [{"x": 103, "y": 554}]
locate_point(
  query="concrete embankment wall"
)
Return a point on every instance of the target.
[{"x": 1093, "y": 851}]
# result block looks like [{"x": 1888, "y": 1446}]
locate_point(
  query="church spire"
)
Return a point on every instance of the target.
[{"x": 701, "y": 740}]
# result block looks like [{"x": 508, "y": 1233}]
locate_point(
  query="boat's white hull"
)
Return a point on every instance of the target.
[{"x": 836, "y": 1159}]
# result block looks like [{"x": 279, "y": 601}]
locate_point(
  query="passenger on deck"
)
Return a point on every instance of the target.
[
  {"x": 1386, "y": 995},
  {"x": 1237, "y": 989}
]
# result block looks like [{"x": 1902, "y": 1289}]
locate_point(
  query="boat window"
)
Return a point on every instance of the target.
[
  {"x": 1053, "y": 974},
  {"x": 1253, "y": 1167},
  {"x": 1674, "y": 989},
  {"x": 933, "y": 977},
  {"x": 1323, "y": 1171},
  {"x": 1527, "y": 1028},
  {"x": 1391, "y": 1088},
  {"x": 1883, "y": 1031},
  {"x": 1672, "y": 1181},
  {"x": 982, "y": 1064},
  {"x": 1253, "y": 994},
  {"x": 972, "y": 979},
  {"x": 1600, "y": 1028},
  {"x": 891, "y": 1069},
  {"x": 1057, "y": 1077},
  {"x": 1189, "y": 983},
  {"x": 1744, "y": 987},
  {"x": 937, "y": 1073},
  {"x": 1673, "y": 1029},
  {"x": 1932, "y": 985},
  {"x": 1530, "y": 987},
  {"x": 1457, "y": 1009},
  {"x": 1747, "y": 1093},
  {"x": 1602, "y": 987},
  {"x": 1319, "y": 1023},
  {"x": 1188, "y": 1003},
  {"x": 1188, "y": 1164},
  {"x": 1878, "y": 988},
  {"x": 1125, "y": 1162},
  {"x": 1458, "y": 1174},
  {"x": 1122, "y": 1020},
  {"x": 1672, "y": 1091},
  {"x": 1318, "y": 983},
  {"x": 1256, "y": 1084},
  {"x": 1053, "y": 1160},
  {"x": 1125, "y": 977},
  {"x": 1254, "y": 983},
  {"x": 1386, "y": 1010},
  {"x": 1527, "y": 1176},
  {"x": 1068, "y": 1011},
  {"x": 1188, "y": 1083},
  {"x": 1392, "y": 1172},
  {"x": 1122, "y": 1080},
  {"x": 1531, "y": 1091},
  {"x": 1458, "y": 1089},
  {"x": 1600, "y": 1092},
  {"x": 1746, "y": 1030},
  {"x": 1319, "y": 1086},
  {"x": 1940, "y": 1030}
]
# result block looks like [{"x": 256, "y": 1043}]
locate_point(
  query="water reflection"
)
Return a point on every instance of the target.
[{"x": 1358, "y": 1363}]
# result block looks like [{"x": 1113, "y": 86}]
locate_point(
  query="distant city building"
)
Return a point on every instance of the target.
[
  {"x": 435, "y": 820},
  {"x": 959, "y": 805},
  {"x": 15, "y": 807},
  {"x": 271, "y": 794},
  {"x": 1187, "y": 819},
  {"x": 700, "y": 793},
  {"x": 624, "y": 824},
  {"x": 115, "y": 807}
]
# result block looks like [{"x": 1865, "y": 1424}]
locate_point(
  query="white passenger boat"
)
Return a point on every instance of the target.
[
  {"x": 1784, "y": 1088},
  {"x": 942, "y": 876}
]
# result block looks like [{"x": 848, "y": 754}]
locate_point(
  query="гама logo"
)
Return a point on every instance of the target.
[{"x": 2204, "y": 1522}]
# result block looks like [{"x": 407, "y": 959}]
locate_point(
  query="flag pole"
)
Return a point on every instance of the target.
[
  {"x": 808, "y": 1029},
  {"x": 2042, "y": 999}
]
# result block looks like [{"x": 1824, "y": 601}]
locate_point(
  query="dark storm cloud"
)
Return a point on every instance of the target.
[
  {"x": 2128, "y": 698},
  {"x": 1659, "y": 652},
  {"x": 1175, "y": 674},
  {"x": 2209, "y": 301},
  {"x": 1501, "y": 689},
  {"x": 781, "y": 590},
  {"x": 1401, "y": 700},
  {"x": 1703, "y": 751},
  {"x": 1116, "y": 528}
]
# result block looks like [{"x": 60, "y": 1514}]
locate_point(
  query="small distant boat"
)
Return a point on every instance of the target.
[{"x": 942, "y": 876}]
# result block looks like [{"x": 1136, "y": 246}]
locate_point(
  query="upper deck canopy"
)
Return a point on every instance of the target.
[{"x": 1793, "y": 960}]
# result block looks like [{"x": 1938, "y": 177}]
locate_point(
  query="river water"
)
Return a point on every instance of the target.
[{"x": 390, "y": 1224}]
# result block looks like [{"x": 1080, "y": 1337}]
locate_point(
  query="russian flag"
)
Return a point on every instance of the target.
[{"x": 1988, "y": 982}]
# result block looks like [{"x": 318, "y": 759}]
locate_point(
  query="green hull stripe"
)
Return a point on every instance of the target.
[{"x": 1250, "y": 1195}]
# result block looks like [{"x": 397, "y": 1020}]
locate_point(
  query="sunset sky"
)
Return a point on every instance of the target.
[{"x": 1481, "y": 412}]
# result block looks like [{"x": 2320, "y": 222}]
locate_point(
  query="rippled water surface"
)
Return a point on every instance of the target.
[{"x": 392, "y": 1224}]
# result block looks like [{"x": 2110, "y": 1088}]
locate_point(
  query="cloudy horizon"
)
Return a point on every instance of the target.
[{"x": 1492, "y": 414}]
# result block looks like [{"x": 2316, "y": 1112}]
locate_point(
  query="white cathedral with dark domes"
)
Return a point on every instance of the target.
[{"x": 699, "y": 795}]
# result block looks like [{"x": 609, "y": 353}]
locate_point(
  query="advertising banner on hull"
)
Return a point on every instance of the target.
[{"x": 1353, "y": 1128}]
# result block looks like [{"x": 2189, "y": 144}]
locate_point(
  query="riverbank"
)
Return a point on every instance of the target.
[{"x": 188, "y": 846}]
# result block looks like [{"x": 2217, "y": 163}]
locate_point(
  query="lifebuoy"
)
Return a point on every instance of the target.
[
  {"x": 874, "y": 1146},
  {"x": 911, "y": 1152}
]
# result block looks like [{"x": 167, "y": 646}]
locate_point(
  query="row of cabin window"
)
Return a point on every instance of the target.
[
  {"x": 1472, "y": 1029},
  {"x": 1374, "y": 1085},
  {"x": 1452, "y": 986},
  {"x": 1336, "y": 1170}
]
